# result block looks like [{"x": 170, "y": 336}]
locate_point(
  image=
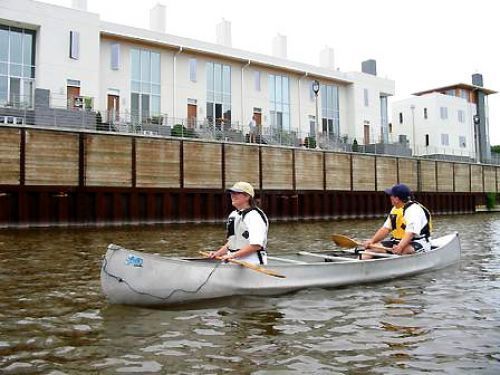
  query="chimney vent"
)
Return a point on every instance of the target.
[
  {"x": 327, "y": 58},
  {"x": 369, "y": 67},
  {"x": 223, "y": 31},
  {"x": 279, "y": 46},
  {"x": 157, "y": 18}
]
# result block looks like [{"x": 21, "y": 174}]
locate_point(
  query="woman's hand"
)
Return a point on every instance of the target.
[
  {"x": 219, "y": 253},
  {"x": 226, "y": 257}
]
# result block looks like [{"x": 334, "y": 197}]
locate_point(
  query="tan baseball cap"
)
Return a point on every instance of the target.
[{"x": 242, "y": 187}]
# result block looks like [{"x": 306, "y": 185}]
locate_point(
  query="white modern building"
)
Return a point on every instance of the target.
[
  {"x": 445, "y": 121},
  {"x": 134, "y": 75}
]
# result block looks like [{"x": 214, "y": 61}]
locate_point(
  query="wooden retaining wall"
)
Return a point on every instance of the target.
[{"x": 60, "y": 177}]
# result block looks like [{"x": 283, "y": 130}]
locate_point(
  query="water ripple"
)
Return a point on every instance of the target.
[{"x": 54, "y": 320}]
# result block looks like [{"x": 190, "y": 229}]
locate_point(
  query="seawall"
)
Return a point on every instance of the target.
[{"x": 68, "y": 177}]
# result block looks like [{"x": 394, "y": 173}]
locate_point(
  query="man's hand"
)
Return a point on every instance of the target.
[
  {"x": 397, "y": 249},
  {"x": 367, "y": 244}
]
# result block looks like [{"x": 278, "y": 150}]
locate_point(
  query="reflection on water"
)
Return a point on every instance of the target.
[{"x": 53, "y": 318}]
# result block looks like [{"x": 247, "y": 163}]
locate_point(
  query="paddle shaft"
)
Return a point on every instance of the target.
[
  {"x": 345, "y": 241},
  {"x": 249, "y": 265}
]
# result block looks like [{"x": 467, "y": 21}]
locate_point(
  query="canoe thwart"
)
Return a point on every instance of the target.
[
  {"x": 286, "y": 260},
  {"x": 325, "y": 256}
]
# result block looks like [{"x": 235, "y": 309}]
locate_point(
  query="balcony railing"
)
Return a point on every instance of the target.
[{"x": 218, "y": 130}]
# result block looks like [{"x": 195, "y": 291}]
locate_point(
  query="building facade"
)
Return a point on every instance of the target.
[
  {"x": 137, "y": 76},
  {"x": 445, "y": 121}
]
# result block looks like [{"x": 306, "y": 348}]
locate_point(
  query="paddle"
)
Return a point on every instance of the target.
[
  {"x": 249, "y": 265},
  {"x": 343, "y": 241}
]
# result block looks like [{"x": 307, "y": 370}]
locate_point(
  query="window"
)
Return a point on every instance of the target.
[
  {"x": 74, "y": 45},
  {"x": 427, "y": 140},
  {"x": 330, "y": 110},
  {"x": 464, "y": 94},
  {"x": 115, "y": 56},
  {"x": 450, "y": 92},
  {"x": 145, "y": 84},
  {"x": 400, "y": 117},
  {"x": 279, "y": 109},
  {"x": 445, "y": 139},
  {"x": 443, "y": 113},
  {"x": 192, "y": 70},
  {"x": 426, "y": 116},
  {"x": 256, "y": 80},
  {"x": 17, "y": 66},
  {"x": 384, "y": 120},
  {"x": 461, "y": 116},
  {"x": 461, "y": 141},
  {"x": 366, "y": 97},
  {"x": 218, "y": 93}
]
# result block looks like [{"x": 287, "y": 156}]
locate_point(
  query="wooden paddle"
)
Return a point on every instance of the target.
[
  {"x": 249, "y": 265},
  {"x": 344, "y": 241}
]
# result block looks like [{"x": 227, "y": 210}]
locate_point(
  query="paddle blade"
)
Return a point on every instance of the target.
[{"x": 344, "y": 241}]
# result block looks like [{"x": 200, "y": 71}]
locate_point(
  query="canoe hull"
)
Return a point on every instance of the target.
[{"x": 135, "y": 278}]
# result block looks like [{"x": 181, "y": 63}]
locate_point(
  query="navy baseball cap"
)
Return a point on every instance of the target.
[{"x": 401, "y": 191}]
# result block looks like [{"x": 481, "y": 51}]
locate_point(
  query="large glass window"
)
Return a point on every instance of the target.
[
  {"x": 17, "y": 66},
  {"x": 219, "y": 93},
  {"x": 145, "y": 84},
  {"x": 279, "y": 96},
  {"x": 330, "y": 110}
]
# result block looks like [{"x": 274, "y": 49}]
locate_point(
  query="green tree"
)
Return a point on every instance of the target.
[{"x": 495, "y": 149}]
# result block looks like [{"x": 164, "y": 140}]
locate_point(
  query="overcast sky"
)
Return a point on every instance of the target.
[{"x": 419, "y": 44}]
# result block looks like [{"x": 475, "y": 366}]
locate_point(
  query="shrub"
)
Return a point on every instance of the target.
[
  {"x": 491, "y": 200},
  {"x": 180, "y": 130}
]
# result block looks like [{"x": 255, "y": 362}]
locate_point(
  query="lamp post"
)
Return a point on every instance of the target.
[
  {"x": 315, "y": 88},
  {"x": 412, "y": 107}
]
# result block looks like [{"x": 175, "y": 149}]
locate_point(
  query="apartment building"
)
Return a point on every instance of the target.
[{"x": 133, "y": 75}]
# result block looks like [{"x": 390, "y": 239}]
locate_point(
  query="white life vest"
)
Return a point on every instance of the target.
[{"x": 242, "y": 226}]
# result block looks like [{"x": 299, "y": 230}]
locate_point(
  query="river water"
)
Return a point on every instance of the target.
[{"x": 54, "y": 319}]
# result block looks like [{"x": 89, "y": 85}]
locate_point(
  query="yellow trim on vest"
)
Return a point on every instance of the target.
[{"x": 397, "y": 221}]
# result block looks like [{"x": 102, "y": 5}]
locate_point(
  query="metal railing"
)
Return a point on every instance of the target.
[{"x": 219, "y": 130}]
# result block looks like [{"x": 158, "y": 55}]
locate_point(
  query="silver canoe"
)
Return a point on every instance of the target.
[{"x": 136, "y": 278}]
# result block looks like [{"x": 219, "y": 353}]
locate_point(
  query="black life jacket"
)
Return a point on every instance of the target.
[{"x": 426, "y": 230}]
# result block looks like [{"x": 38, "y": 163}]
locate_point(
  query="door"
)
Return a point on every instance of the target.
[
  {"x": 192, "y": 111},
  {"x": 73, "y": 93},
  {"x": 258, "y": 118},
  {"x": 113, "y": 108},
  {"x": 367, "y": 134}
]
